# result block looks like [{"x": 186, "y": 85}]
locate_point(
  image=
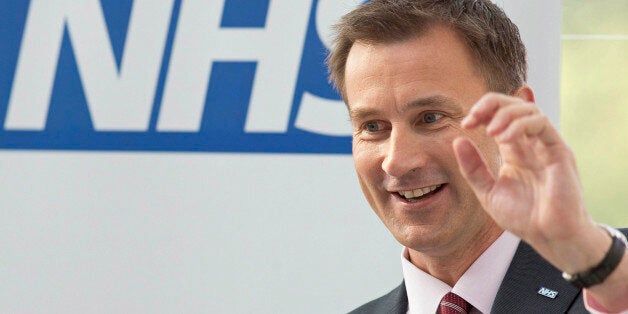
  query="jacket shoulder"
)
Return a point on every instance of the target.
[{"x": 396, "y": 301}]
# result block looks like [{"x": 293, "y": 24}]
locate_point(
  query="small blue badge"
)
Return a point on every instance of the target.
[{"x": 548, "y": 293}]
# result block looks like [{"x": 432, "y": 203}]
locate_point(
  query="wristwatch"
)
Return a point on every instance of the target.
[{"x": 599, "y": 273}]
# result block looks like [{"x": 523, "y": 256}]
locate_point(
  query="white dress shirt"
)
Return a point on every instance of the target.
[{"x": 478, "y": 285}]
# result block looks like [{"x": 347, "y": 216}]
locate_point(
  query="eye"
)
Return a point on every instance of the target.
[
  {"x": 432, "y": 117},
  {"x": 373, "y": 126}
]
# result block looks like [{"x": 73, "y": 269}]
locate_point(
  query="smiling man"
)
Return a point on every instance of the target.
[{"x": 460, "y": 165}]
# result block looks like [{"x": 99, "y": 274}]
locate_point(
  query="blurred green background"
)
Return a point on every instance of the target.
[{"x": 594, "y": 102}]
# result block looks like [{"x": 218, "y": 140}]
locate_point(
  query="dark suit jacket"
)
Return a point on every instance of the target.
[{"x": 518, "y": 292}]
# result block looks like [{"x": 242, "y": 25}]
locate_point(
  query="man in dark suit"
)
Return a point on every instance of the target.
[{"x": 459, "y": 164}]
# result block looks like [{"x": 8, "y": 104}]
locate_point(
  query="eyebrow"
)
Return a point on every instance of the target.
[{"x": 436, "y": 100}]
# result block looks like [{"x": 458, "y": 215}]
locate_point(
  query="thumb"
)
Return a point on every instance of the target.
[{"x": 473, "y": 167}]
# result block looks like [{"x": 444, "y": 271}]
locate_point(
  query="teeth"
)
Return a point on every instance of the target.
[{"x": 418, "y": 192}]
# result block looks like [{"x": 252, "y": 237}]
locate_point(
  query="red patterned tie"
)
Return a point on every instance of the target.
[{"x": 453, "y": 304}]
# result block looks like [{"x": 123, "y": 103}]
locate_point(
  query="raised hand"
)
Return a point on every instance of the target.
[
  {"x": 536, "y": 194},
  {"x": 537, "y": 188}
]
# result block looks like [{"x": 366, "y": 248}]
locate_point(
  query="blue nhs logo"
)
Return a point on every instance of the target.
[{"x": 170, "y": 75}]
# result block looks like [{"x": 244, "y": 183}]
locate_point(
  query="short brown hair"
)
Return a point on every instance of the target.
[{"x": 491, "y": 37}]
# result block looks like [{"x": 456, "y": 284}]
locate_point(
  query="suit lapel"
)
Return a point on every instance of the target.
[
  {"x": 528, "y": 273},
  {"x": 397, "y": 300}
]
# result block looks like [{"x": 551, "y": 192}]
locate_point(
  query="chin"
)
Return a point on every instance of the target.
[{"x": 420, "y": 237}]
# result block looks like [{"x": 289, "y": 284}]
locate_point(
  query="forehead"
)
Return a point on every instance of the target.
[{"x": 436, "y": 63}]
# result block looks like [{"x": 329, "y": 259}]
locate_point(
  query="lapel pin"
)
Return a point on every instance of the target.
[{"x": 546, "y": 292}]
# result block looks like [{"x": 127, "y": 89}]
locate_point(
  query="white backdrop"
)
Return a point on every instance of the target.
[{"x": 150, "y": 232}]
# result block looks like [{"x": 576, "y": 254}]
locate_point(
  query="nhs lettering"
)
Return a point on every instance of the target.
[{"x": 170, "y": 75}]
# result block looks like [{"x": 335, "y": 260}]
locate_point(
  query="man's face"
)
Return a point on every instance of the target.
[{"x": 406, "y": 102}]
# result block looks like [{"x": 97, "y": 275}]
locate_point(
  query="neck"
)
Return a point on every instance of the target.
[{"x": 449, "y": 264}]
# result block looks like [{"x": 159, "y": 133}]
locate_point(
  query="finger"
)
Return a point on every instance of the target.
[
  {"x": 483, "y": 110},
  {"x": 473, "y": 167},
  {"x": 537, "y": 126},
  {"x": 504, "y": 117}
]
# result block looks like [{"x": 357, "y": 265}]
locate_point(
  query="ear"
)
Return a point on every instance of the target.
[{"x": 525, "y": 92}]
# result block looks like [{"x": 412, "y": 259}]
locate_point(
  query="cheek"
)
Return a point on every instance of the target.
[
  {"x": 365, "y": 167},
  {"x": 368, "y": 169},
  {"x": 368, "y": 178},
  {"x": 364, "y": 157}
]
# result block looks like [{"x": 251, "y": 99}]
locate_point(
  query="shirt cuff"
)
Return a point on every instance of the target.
[{"x": 596, "y": 308}]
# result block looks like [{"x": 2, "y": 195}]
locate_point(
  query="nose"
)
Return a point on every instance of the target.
[{"x": 405, "y": 152}]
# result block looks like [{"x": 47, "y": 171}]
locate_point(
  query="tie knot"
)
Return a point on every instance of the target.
[{"x": 453, "y": 304}]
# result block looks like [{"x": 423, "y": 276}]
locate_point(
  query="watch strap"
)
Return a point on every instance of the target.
[{"x": 600, "y": 272}]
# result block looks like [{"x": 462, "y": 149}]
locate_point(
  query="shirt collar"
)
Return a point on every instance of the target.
[{"x": 425, "y": 291}]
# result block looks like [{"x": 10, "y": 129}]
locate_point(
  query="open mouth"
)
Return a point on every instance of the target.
[{"x": 414, "y": 196}]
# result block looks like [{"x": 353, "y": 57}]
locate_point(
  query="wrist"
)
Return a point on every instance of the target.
[
  {"x": 599, "y": 272},
  {"x": 587, "y": 249},
  {"x": 579, "y": 249}
]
